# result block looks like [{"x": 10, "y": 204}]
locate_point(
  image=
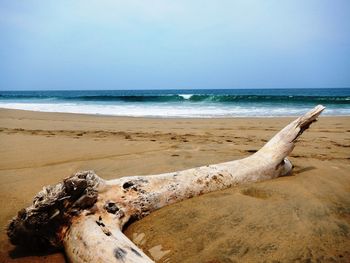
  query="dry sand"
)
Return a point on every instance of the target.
[{"x": 301, "y": 218}]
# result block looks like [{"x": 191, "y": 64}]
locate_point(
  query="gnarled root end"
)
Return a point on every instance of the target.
[{"x": 37, "y": 226}]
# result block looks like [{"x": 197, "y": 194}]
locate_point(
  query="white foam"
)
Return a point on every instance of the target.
[
  {"x": 186, "y": 96},
  {"x": 168, "y": 109}
]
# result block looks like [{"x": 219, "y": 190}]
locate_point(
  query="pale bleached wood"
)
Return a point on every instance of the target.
[{"x": 86, "y": 214}]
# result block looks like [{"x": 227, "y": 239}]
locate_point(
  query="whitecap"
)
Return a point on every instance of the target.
[{"x": 186, "y": 96}]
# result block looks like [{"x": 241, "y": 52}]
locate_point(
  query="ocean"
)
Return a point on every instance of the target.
[{"x": 182, "y": 103}]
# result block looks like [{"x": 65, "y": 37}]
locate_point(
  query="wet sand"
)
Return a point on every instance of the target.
[{"x": 300, "y": 218}]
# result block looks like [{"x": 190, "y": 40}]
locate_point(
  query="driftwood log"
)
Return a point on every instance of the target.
[{"x": 85, "y": 214}]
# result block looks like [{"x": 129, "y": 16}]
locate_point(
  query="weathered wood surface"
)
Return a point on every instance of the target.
[{"x": 86, "y": 214}]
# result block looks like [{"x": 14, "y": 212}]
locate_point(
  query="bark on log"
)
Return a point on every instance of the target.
[{"x": 86, "y": 214}]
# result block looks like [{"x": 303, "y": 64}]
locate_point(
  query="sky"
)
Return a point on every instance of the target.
[{"x": 174, "y": 44}]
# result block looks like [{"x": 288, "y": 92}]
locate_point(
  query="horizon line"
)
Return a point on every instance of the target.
[{"x": 174, "y": 89}]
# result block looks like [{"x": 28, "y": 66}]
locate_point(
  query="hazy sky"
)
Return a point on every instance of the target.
[{"x": 163, "y": 44}]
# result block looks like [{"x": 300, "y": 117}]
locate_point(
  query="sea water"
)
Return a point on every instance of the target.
[{"x": 182, "y": 103}]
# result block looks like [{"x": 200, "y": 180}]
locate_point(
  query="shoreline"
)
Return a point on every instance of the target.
[
  {"x": 299, "y": 217},
  {"x": 170, "y": 117}
]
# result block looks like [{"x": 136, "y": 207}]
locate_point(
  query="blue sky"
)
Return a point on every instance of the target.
[{"x": 169, "y": 44}]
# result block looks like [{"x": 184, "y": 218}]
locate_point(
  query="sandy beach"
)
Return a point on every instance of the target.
[{"x": 304, "y": 217}]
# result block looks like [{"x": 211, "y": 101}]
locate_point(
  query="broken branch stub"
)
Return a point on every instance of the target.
[{"x": 85, "y": 214}]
